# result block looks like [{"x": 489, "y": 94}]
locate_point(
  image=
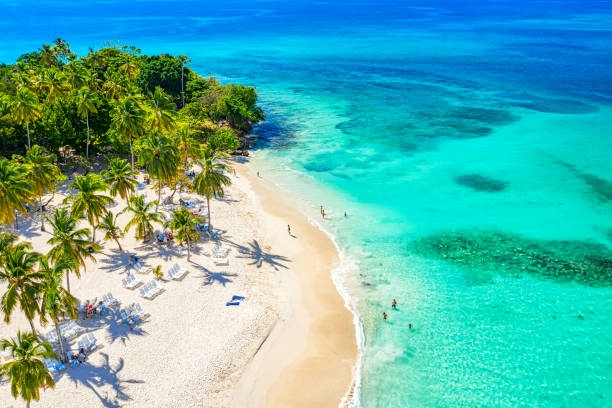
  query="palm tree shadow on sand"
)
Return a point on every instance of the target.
[
  {"x": 259, "y": 256},
  {"x": 94, "y": 377}
]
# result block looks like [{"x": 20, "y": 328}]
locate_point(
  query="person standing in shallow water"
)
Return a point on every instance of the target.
[
  {"x": 384, "y": 315},
  {"x": 394, "y": 304}
]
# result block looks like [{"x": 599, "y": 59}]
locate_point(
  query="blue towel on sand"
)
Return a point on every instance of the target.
[
  {"x": 232, "y": 304},
  {"x": 235, "y": 297}
]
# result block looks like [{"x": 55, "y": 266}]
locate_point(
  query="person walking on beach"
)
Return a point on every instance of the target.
[
  {"x": 289, "y": 229},
  {"x": 384, "y": 315},
  {"x": 257, "y": 174},
  {"x": 323, "y": 213},
  {"x": 394, "y": 304},
  {"x": 321, "y": 210}
]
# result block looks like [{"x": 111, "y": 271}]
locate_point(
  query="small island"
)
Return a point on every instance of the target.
[{"x": 116, "y": 286}]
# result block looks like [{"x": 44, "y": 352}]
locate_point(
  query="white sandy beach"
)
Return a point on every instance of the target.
[{"x": 291, "y": 333}]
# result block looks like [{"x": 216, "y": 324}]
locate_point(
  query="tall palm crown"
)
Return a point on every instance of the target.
[
  {"x": 42, "y": 173},
  {"x": 55, "y": 86},
  {"x": 121, "y": 178},
  {"x": 19, "y": 272},
  {"x": 183, "y": 223},
  {"x": 160, "y": 157},
  {"x": 160, "y": 110},
  {"x": 26, "y": 109},
  {"x": 27, "y": 371},
  {"x": 8, "y": 243},
  {"x": 143, "y": 217},
  {"x": 188, "y": 146},
  {"x": 108, "y": 224},
  {"x": 14, "y": 190},
  {"x": 130, "y": 68},
  {"x": 69, "y": 242},
  {"x": 87, "y": 202},
  {"x": 86, "y": 101},
  {"x": 56, "y": 302},
  {"x": 127, "y": 120},
  {"x": 210, "y": 182}
]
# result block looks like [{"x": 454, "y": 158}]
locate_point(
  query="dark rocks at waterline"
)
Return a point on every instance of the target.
[
  {"x": 481, "y": 183},
  {"x": 586, "y": 263}
]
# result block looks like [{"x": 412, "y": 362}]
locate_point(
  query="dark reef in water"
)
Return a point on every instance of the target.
[
  {"x": 600, "y": 187},
  {"x": 583, "y": 262},
  {"x": 481, "y": 183}
]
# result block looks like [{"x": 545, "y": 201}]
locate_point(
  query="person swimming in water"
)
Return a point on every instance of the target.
[{"x": 394, "y": 304}]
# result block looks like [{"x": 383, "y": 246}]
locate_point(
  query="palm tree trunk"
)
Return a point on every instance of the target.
[
  {"x": 63, "y": 357},
  {"x": 42, "y": 218},
  {"x": 32, "y": 326},
  {"x": 188, "y": 248},
  {"x": 159, "y": 187},
  {"x": 87, "y": 149},
  {"x": 93, "y": 234},
  {"x": 28, "y": 404},
  {"x": 182, "y": 89},
  {"x": 28, "y": 130},
  {"x": 132, "y": 152},
  {"x": 208, "y": 207},
  {"x": 118, "y": 244}
]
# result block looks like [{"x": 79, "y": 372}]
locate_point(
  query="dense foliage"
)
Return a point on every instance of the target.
[{"x": 106, "y": 100}]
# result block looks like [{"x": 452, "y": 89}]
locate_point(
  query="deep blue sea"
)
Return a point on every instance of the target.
[{"x": 469, "y": 142}]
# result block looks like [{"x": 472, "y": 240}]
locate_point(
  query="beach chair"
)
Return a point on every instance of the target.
[
  {"x": 232, "y": 304},
  {"x": 176, "y": 272},
  {"x": 92, "y": 342},
  {"x": 236, "y": 297},
  {"x": 140, "y": 268},
  {"x": 139, "y": 310},
  {"x": 220, "y": 261}
]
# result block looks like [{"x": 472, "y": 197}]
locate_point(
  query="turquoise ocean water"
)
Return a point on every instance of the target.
[{"x": 470, "y": 144}]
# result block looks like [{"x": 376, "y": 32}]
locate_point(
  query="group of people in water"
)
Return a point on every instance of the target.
[{"x": 394, "y": 307}]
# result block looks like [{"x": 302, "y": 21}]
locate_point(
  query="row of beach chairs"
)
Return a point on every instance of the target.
[
  {"x": 176, "y": 272},
  {"x": 131, "y": 282},
  {"x": 151, "y": 290}
]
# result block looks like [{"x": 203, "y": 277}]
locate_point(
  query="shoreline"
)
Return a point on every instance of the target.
[{"x": 318, "y": 338}]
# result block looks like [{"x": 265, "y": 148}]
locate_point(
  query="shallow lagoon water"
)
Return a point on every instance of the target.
[{"x": 377, "y": 109}]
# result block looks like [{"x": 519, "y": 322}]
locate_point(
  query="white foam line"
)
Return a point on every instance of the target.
[{"x": 338, "y": 275}]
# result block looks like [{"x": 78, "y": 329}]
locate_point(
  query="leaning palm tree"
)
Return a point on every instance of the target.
[
  {"x": 108, "y": 224},
  {"x": 183, "y": 223},
  {"x": 56, "y": 302},
  {"x": 26, "y": 109},
  {"x": 120, "y": 177},
  {"x": 160, "y": 110},
  {"x": 86, "y": 202},
  {"x": 27, "y": 371},
  {"x": 127, "y": 120},
  {"x": 69, "y": 242},
  {"x": 143, "y": 217},
  {"x": 86, "y": 103},
  {"x": 211, "y": 180},
  {"x": 19, "y": 272},
  {"x": 43, "y": 175},
  {"x": 14, "y": 191},
  {"x": 160, "y": 157}
]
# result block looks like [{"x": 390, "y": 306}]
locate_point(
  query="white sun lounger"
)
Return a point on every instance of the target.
[
  {"x": 176, "y": 272},
  {"x": 131, "y": 282},
  {"x": 220, "y": 261}
]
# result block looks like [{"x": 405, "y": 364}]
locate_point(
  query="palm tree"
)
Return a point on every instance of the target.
[
  {"x": 211, "y": 181},
  {"x": 14, "y": 190},
  {"x": 160, "y": 110},
  {"x": 109, "y": 225},
  {"x": 8, "y": 243},
  {"x": 183, "y": 59},
  {"x": 130, "y": 68},
  {"x": 56, "y": 302},
  {"x": 160, "y": 157},
  {"x": 87, "y": 202},
  {"x": 188, "y": 146},
  {"x": 183, "y": 223},
  {"x": 121, "y": 178},
  {"x": 127, "y": 120},
  {"x": 27, "y": 371},
  {"x": 86, "y": 103},
  {"x": 19, "y": 271},
  {"x": 55, "y": 86},
  {"x": 42, "y": 173},
  {"x": 26, "y": 109},
  {"x": 70, "y": 243},
  {"x": 143, "y": 216}
]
